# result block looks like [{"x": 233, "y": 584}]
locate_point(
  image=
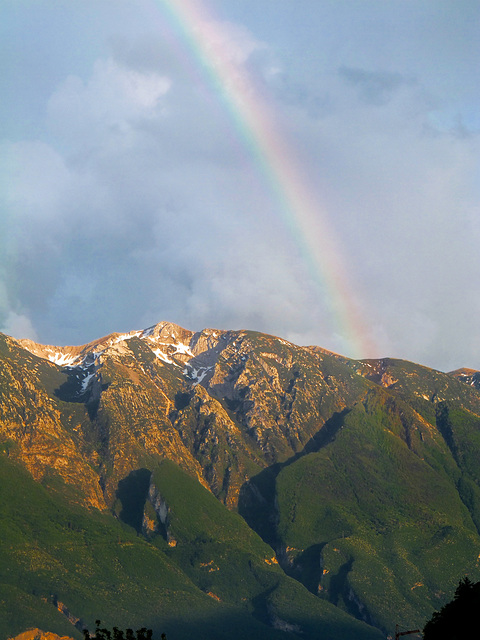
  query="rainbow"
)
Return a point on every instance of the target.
[{"x": 277, "y": 162}]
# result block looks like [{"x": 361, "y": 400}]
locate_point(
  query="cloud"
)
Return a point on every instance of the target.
[
  {"x": 15, "y": 324},
  {"x": 146, "y": 207},
  {"x": 233, "y": 41},
  {"x": 403, "y": 197},
  {"x": 374, "y": 87},
  {"x": 112, "y": 102}
]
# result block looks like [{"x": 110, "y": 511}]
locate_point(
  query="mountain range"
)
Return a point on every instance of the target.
[{"x": 232, "y": 484}]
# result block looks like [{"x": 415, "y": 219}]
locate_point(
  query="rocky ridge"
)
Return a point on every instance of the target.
[{"x": 241, "y": 395}]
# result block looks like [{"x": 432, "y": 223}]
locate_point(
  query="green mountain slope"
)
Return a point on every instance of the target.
[
  {"x": 59, "y": 562},
  {"x": 388, "y": 528}
]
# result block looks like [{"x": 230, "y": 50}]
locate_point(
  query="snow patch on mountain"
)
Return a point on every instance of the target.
[
  {"x": 169, "y": 343},
  {"x": 127, "y": 336},
  {"x": 62, "y": 359},
  {"x": 163, "y": 356},
  {"x": 182, "y": 348},
  {"x": 86, "y": 382},
  {"x": 196, "y": 376}
]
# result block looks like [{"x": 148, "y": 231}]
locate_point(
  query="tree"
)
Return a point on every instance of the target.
[
  {"x": 118, "y": 634},
  {"x": 459, "y": 619}
]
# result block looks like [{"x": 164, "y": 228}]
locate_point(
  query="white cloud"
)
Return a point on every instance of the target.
[
  {"x": 109, "y": 102},
  {"x": 19, "y": 326},
  {"x": 227, "y": 41}
]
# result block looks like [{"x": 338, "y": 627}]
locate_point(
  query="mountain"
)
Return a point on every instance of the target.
[{"x": 231, "y": 484}]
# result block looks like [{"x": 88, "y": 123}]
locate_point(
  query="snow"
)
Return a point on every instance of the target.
[
  {"x": 196, "y": 375},
  {"x": 86, "y": 381},
  {"x": 62, "y": 359},
  {"x": 84, "y": 361},
  {"x": 68, "y": 360},
  {"x": 94, "y": 356},
  {"x": 201, "y": 376},
  {"x": 163, "y": 356},
  {"x": 182, "y": 348},
  {"x": 127, "y": 336}
]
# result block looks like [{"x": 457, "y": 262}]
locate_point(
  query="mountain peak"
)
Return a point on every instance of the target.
[{"x": 468, "y": 376}]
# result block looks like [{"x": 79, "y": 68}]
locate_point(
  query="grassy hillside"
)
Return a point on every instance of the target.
[
  {"x": 51, "y": 552},
  {"x": 54, "y": 556},
  {"x": 385, "y": 525}
]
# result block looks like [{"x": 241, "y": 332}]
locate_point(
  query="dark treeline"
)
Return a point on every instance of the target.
[
  {"x": 102, "y": 633},
  {"x": 459, "y": 619}
]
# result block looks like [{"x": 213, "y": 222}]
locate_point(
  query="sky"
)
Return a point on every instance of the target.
[{"x": 304, "y": 168}]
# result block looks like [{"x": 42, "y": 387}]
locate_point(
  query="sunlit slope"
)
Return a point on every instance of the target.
[
  {"x": 451, "y": 404},
  {"x": 124, "y": 408}
]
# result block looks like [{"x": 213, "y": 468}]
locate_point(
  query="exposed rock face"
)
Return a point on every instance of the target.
[
  {"x": 155, "y": 515},
  {"x": 222, "y": 404},
  {"x": 33, "y": 427},
  {"x": 468, "y": 376}
]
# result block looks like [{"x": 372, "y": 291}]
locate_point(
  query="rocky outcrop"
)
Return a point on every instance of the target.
[
  {"x": 155, "y": 515},
  {"x": 467, "y": 376}
]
